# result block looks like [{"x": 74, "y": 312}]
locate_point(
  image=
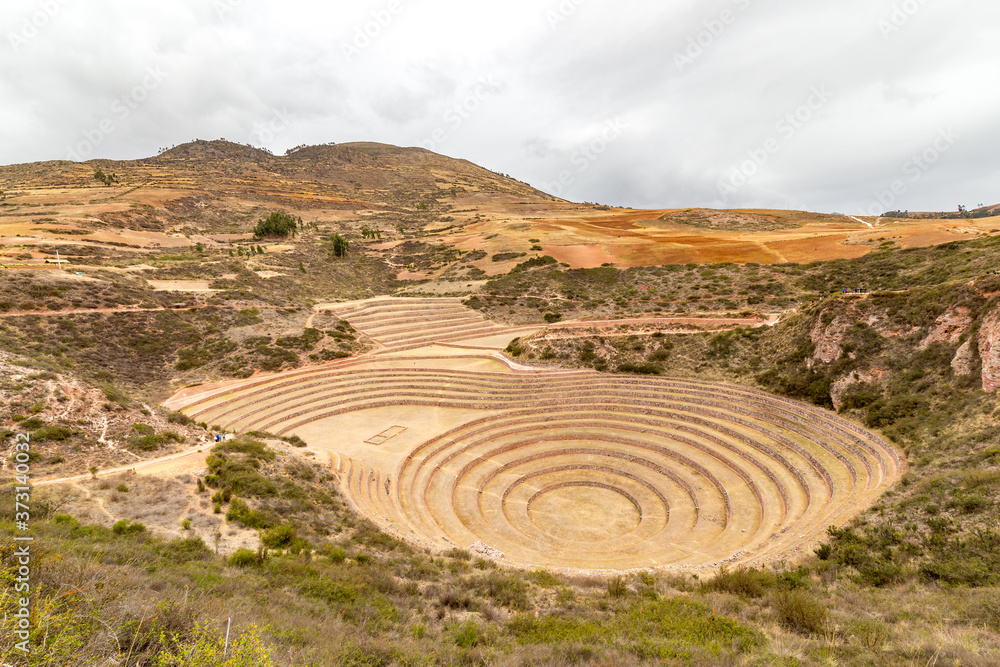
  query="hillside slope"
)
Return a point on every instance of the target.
[{"x": 221, "y": 168}]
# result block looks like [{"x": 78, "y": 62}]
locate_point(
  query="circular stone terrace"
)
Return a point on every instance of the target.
[{"x": 446, "y": 443}]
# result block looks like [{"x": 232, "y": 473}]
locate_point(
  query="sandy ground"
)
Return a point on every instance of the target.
[
  {"x": 579, "y": 486},
  {"x": 196, "y": 286}
]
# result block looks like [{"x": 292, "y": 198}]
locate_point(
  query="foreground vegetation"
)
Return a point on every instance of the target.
[{"x": 326, "y": 587}]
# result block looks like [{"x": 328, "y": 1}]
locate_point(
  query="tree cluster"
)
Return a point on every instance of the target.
[
  {"x": 277, "y": 224},
  {"x": 106, "y": 179}
]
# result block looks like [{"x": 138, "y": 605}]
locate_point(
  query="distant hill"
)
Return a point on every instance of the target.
[
  {"x": 981, "y": 212},
  {"x": 353, "y": 170}
]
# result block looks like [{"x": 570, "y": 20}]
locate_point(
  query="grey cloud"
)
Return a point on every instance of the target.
[{"x": 702, "y": 90}]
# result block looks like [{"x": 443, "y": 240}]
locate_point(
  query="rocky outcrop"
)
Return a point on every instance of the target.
[
  {"x": 840, "y": 387},
  {"x": 964, "y": 360},
  {"x": 989, "y": 350},
  {"x": 948, "y": 328},
  {"x": 827, "y": 340}
]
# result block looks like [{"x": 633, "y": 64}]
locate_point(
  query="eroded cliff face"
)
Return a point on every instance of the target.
[
  {"x": 844, "y": 384},
  {"x": 956, "y": 323},
  {"x": 989, "y": 349},
  {"x": 948, "y": 328},
  {"x": 828, "y": 340},
  {"x": 828, "y": 335}
]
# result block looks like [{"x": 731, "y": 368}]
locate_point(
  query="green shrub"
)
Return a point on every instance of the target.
[
  {"x": 125, "y": 527},
  {"x": 617, "y": 587},
  {"x": 743, "y": 581},
  {"x": 150, "y": 443},
  {"x": 31, "y": 423},
  {"x": 799, "y": 611},
  {"x": 332, "y": 592},
  {"x": 506, "y": 590},
  {"x": 278, "y": 537},
  {"x": 468, "y": 635},
  {"x": 185, "y": 550},
  {"x": 179, "y": 418},
  {"x": 532, "y": 263},
  {"x": 870, "y": 633},
  {"x": 248, "y": 317},
  {"x": 665, "y": 631},
  {"x": 251, "y": 448},
  {"x": 52, "y": 433},
  {"x": 514, "y": 348},
  {"x": 234, "y": 465},
  {"x": 880, "y": 573},
  {"x": 336, "y": 555},
  {"x": 244, "y": 558},
  {"x": 205, "y": 649},
  {"x": 241, "y": 513},
  {"x": 143, "y": 429},
  {"x": 531, "y": 629},
  {"x": 506, "y": 256}
]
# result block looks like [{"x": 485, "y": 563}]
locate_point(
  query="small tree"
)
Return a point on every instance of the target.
[{"x": 340, "y": 245}]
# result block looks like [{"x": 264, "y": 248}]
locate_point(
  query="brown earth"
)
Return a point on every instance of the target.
[{"x": 212, "y": 192}]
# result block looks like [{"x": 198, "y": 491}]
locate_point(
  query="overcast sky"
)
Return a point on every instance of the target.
[{"x": 854, "y": 106}]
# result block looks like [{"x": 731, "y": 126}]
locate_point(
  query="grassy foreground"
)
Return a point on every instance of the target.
[{"x": 328, "y": 588}]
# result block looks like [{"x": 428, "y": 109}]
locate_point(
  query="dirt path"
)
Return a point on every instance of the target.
[
  {"x": 87, "y": 311},
  {"x": 176, "y": 462},
  {"x": 695, "y": 321},
  {"x": 125, "y": 309}
]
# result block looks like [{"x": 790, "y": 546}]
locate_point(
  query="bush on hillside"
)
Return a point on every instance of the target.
[{"x": 279, "y": 225}]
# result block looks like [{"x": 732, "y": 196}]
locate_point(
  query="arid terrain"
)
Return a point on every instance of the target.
[{"x": 379, "y": 406}]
